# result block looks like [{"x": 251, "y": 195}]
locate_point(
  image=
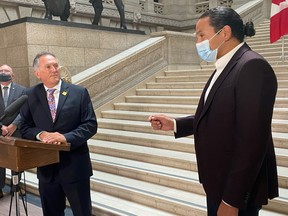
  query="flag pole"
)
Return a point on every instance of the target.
[{"x": 283, "y": 58}]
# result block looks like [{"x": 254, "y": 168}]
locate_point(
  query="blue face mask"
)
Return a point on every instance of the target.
[{"x": 204, "y": 51}]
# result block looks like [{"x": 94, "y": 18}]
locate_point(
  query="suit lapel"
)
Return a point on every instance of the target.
[
  {"x": 63, "y": 94},
  {"x": 2, "y": 101},
  {"x": 229, "y": 67},
  {"x": 11, "y": 93},
  {"x": 42, "y": 97}
]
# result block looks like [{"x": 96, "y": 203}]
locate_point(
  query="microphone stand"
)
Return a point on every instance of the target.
[{"x": 15, "y": 192}]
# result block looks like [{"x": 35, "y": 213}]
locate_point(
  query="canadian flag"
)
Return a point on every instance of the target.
[{"x": 278, "y": 19}]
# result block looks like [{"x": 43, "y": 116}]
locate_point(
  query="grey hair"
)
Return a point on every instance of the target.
[{"x": 37, "y": 58}]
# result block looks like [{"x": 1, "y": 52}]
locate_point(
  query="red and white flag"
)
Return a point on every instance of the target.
[{"x": 278, "y": 19}]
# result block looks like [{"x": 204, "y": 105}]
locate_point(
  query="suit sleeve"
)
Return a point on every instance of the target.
[
  {"x": 255, "y": 93},
  {"x": 184, "y": 126},
  {"x": 88, "y": 124}
]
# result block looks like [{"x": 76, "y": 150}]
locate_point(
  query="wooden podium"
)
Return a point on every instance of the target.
[{"x": 21, "y": 154}]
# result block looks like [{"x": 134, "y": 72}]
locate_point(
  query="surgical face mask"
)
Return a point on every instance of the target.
[
  {"x": 5, "y": 77},
  {"x": 204, "y": 51}
]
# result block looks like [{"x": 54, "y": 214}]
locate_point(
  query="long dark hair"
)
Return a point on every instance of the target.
[{"x": 222, "y": 15}]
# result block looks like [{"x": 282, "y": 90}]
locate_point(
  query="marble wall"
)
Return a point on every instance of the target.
[{"x": 77, "y": 48}]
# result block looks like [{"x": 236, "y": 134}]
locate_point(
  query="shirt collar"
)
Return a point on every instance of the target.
[
  {"x": 9, "y": 86},
  {"x": 221, "y": 63},
  {"x": 57, "y": 87}
]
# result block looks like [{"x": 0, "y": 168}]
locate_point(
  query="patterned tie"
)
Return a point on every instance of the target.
[
  {"x": 51, "y": 102},
  {"x": 5, "y": 95}
]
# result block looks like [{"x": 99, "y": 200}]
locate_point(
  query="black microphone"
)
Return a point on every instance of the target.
[{"x": 14, "y": 107}]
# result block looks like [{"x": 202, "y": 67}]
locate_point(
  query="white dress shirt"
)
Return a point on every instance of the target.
[{"x": 220, "y": 64}]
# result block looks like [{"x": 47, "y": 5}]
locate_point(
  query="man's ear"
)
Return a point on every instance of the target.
[
  {"x": 36, "y": 73},
  {"x": 227, "y": 32}
]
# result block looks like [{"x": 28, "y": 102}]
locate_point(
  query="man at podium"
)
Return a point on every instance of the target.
[{"x": 58, "y": 112}]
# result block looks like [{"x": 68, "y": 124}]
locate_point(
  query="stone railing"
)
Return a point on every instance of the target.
[
  {"x": 109, "y": 79},
  {"x": 255, "y": 11},
  {"x": 165, "y": 50}
]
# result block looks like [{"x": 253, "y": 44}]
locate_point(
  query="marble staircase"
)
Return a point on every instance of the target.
[{"x": 139, "y": 171}]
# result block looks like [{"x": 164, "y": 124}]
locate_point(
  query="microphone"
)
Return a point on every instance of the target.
[{"x": 14, "y": 107}]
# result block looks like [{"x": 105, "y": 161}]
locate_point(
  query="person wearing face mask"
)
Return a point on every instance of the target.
[
  {"x": 232, "y": 124},
  {"x": 10, "y": 91}
]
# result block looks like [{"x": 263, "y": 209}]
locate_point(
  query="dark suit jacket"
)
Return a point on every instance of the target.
[
  {"x": 232, "y": 132},
  {"x": 75, "y": 119},
  {"x": 15, "y": 91}
]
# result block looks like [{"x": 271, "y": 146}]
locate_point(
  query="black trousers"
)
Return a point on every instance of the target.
[
  {"x": 212, "y": 208},
  {"x": 53, "y": 197}
]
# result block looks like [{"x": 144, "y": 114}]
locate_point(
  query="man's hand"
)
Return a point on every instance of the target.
[
  {"x": 53, "y": 138},
  {"x": 161, "y": 122},
  {"x": 225, "y": 210},
  {"x": 8, "y": 130}
]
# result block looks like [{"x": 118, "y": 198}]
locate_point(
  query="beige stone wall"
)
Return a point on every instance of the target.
[{"x": 76, "y": 48}]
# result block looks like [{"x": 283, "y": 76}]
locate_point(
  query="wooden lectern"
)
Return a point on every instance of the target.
[{"x": 21, "y": 154}]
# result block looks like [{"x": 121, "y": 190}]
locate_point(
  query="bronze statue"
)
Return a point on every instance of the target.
[
  {"x": 57, "y": 8},
  {"x": 98, "y": 8}
]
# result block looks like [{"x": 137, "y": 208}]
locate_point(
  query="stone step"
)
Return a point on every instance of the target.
[
  {"x": 274, "y": 61},
  {"x": 142, "y": 125},
  {"x": 194, "y": 85},
  {"x": 280, "y": 113},
  {"x": 280, "y": 140},
  {"x": 103, "y": 203},
  {"x": 132, "y": 115},
  {"x": 191, "y": 78},
  {"x": 175, "y": 159},
  {"x": 177, "y": 85},
  {"x": 277, "y": 46},
  {"x": 163, "y": 175},
  {"x": 193, "y": 72},
  {"x": 169, "y": 92},
  {"x": 204, "y": 78},
  {"x": 159, "y": 108},
  {"x": 159, "y": 142},
  {"x": 282, "y": 92},
  {"x": 280, "y": 125},
  {"x": 264, "y": 39},
  {"x": 208, "y": 70},
  {"x": 188, "y": 100},
  {"x": 164, "y": 198},
  {"x": 185, "y": 100},
  {"x": 267, "y": 54},
  {"x": 139, "y": 138},
  {"x": 130, "y": 125},
  {"x": 274, "y": 48}
]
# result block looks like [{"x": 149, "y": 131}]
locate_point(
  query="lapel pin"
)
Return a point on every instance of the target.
[{"x": 64, "y": 93}]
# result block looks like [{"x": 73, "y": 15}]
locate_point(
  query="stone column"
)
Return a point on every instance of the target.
[
  {"x": 149, "y": 6},
  {"x": 214, "y": 3},
  {"x": 132, "y": 5}
]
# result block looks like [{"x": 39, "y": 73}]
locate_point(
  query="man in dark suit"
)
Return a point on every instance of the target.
[
  {"x": 232, "y": 124},
  {"x": 10, "y": 91},
  {"x": 58, "y": 112}
]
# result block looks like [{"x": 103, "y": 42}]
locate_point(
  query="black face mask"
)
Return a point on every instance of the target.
[{"x": 5, "y": 77}]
